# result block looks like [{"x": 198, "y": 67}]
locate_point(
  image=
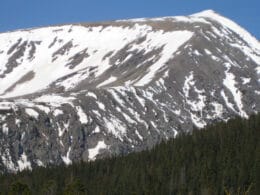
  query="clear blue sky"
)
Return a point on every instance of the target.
[{"x": 17, "y": 14}]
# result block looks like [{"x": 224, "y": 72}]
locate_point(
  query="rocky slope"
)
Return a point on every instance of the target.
[{"x": 87, "y": 91}]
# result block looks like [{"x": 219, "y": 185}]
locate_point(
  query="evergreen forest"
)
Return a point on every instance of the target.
[{"x": 223, "y": 158}]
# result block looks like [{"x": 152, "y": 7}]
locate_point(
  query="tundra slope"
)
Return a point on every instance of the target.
[{"x": 86, "y": 91}]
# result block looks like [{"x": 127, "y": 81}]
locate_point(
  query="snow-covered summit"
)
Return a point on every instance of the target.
[{"x": 33, "y": 60}]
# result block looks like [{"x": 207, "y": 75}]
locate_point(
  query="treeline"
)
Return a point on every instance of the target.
[{"x": 221, "y": 159}]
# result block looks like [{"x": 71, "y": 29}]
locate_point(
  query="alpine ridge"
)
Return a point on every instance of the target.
[{"x": 92, "y": 90}]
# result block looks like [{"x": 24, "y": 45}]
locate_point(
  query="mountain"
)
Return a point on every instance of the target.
[
  {"x": 226, "y": 163},
  {"x": 86, "y": 91}
]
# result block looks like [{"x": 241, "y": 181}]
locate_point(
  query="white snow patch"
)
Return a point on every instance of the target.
[
  {"x": 108, "y": 81},
  {"x": 139, "y": 135},
  {"x": 91, "y": 94},
  {"x": 39, "y": 163},
  {"x": 43, "y": 108},
  {"x": 97, "y": 129},
  {"x": 96, "y": 113},
  {"x": 245, "y": 80},
  {"x": 57, "y": 112},
  {"x": 197, "y": 121},
  {"x": 127, "y": 58},
  {"x": 207, "y": 52},
  {"x": 5, "y": 128},
  {"x": 23, "y": 136},
  {"x": 154, "y": 125},
  {"x": 32, "y": 113},
  {"x": 101, "y": 105},
  {"x": 18, "y": 122},
  {"x": 93, "y": 152},
  {"x": 83, "y": 118},
  {"x": 23, "y": 163},
  {"x": 230, "y": 105},
  {"x": 214, "y": 58},
  {"x": 230, "y": 83},
  {"x": 188, "y": 83},
  {"x": 66, "y": 159},
  {"x": 197, "y": 53},
  {"x": 175, "y": 132},
  {"x": 62, "y": 130},
  {"x": 177, "y": 112}
]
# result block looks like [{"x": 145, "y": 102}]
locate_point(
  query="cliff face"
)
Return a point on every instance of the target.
[{"x": 87, "y": 91}]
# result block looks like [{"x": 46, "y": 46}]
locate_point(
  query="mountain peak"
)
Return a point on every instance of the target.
[
  {"x": 205, "y": 13},
  {"x": 229, "y": 24}
]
